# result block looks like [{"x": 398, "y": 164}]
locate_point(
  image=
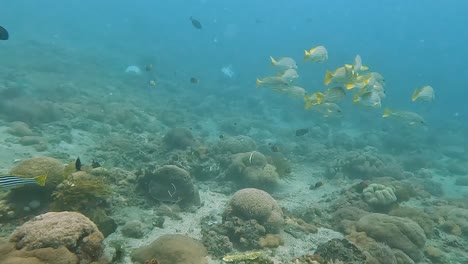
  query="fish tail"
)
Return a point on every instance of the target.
[
  {"x": 355, "y": 98},
  {"x": 307, "y": 54},
  {"x": 41, "y": 179},
  {"x": 319, "y": 97},
  {"x": 350, "y": 86},
  {"x": 273, "y": 61},
  {"x": 328, "y": 77},
  {"x": 387, "y": 112},
  {"x": 415, "y": 94},
  {"x": 258, "y": 82}
]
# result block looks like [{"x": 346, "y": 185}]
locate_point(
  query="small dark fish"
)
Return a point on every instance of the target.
[
  {"x": 4, "y": 33},
  {"x": 221, "y": 136},
  {"x": 78, "y": 164},
  {"x": 302, "y": 131},
  {"x": 95, "y": 164},
  {"x": 149, "y": 67},
  {"x": 316, "y": 185},
  {"x": 194, "y": 80},
  {"x": 275, "y": 148},
  {"x": 196, "y": 23}
]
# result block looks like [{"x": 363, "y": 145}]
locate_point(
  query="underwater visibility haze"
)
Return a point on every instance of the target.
[{"x": 204, "y": 132}]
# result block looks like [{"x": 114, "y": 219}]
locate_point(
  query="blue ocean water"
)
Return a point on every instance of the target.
[{"x": 73, "y": 54}]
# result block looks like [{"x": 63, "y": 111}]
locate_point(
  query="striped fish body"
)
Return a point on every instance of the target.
[{"x": 10, "y": 181}]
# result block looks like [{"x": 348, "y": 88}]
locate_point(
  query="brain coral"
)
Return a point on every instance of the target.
[
  {"x": 172, "y": 249},
  {"x": 54, "y": 169},
  {"x": 397, "y": 232},
  {"x": 55, "y": 229},
  {"x": 256, "y": 204},
  {"x": 235, "y": 145},
  {"x": 251, "y": 169},
  {"x": 379, "y": 195}
]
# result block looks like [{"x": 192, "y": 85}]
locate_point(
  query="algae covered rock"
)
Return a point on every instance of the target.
[
  {"x": 172, "y": 249},
  {"x": 251, "y": 203},
  {"x": 234, "y": 145},
  {"x": 71, "y": 230},
  {"x": 170, "y": 184},
  {"x": 179, "y": 138},
  {"x": 397, "y": 232},
  {"x": 252, "y": 169},
  {"x": 342, "y": 250},
  {"x": 379, "y": 195},
  {"x": 133, "y": 229},
  {"x": 54, "y": 169}
]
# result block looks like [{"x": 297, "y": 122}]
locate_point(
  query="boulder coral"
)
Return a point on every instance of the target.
[
  {"x": 70, "y": 230},
  {"x": 179, "y": 138},
  {"x": 251, "y": 169},
  {"x": 251, "y": 203},
  {"x": 53, "y": 168},
  {"x": 170, "y": 184},
  {"x": 234, "y": 145},
  {"x": 172, "y": 249},
  {"x": 396, "y": 232},
  {"x": 379, "y": 195}
]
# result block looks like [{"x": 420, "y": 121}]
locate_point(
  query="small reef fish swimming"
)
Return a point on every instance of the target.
[
  {"x": 405, "y": 117},
  {"x": 284, "y": 63},
  {"x": 424, "y": 94},
  {"x": 148, "y": 67},
  {"x": 195, "y": 23},
  {"x": 193, "y": 80},
  {"x": 368, "y": 99},
  {"x": 290, "y": 75},
  {"x": 11, "y": 181},
  {"x": 328, "y": 110},
  {"x": 293, "y": 91},
  {"x": 318, "y": 54},
  {"x": 341, "y": 75},
  {"x": 272, "y": 82},
  {"x": 4, "y": 34},
  {"x": 313, "y": 99},
  {"x": 357, "y": 65},
  {"x": 78, "y": 164},
  {"x": 334, "y": 95}
]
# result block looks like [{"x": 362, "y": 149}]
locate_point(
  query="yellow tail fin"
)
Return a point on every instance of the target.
[
  {"x": 355, "y": 98},
  {"x": 41, "y": 179},
  {"x": 350, "y": 86},
  {"x": 319, "y": 97},
  {"x": 328, "y": 77},
  {"x": 307, "y": 54},
  {"x": 364, "y": 68},
  {"x": 415, "y": 94},
  {"x": 258, "y": 83},
  {"x": 387, "y": 112},
  {"x": 273, "y": 61}
]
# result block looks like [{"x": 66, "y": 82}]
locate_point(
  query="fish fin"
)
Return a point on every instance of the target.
[
  {"x": 355, "y": 98},
  {"x": 387, "y": 112},
  {"x": 307, "y": 54},
  {"x": 364, "y": 68},
  {"x": 415, "y": 94},
  {"x": 328, "y": 77},
  {"x": 319, "y": 97},
  {"x": 273, "y": 61},
  {"x": 258, "y": 83},
  {"x": 348, "y": 66},
  {"x": 41, "y": 179},
  {"x": 350, "y": 86}
]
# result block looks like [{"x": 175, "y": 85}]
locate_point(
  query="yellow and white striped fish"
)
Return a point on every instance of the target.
[{"x": 10, "y": 181}]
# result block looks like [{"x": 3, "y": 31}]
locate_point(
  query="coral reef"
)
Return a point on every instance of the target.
[
  {"x": 271, "y": 241},
  {"x": 51, "y": 167},
  {"x": 170, "y": 184},
  {"x": 379, "y": 195},
  {"x": 179, "y": 138},
  {"x": 256, "y": 204},
  {"x": 453, "y": 220},
  {"x": 340, "y": 249},
  {"x": 419, "y": 216},
  {"x": 252, "y": 170},
  {"x": 19, "y": 129},
  {"x": 397, "y": 232},
  {"x": 364, "y": 164},
  {"x": 234, "y": 145},
  {"x": 71, "y": 230},
  {"x": 172, "y": 249},
  {"x": 133, "y": 229}
]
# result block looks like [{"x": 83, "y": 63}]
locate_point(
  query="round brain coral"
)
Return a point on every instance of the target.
[
  {"x": 251, "y": 203},
  {"x": 379, "y": 195}
]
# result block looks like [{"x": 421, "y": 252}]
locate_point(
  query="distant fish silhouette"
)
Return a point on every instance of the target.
[
  {"x": 196, "y": 23},
  {"x": 4, "y": 33},
  {"x": 78, "y": 164},
  {"x": 302, "y": 131}
]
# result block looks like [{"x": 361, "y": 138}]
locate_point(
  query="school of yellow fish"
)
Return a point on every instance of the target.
[{"x": 368, "y": 87}]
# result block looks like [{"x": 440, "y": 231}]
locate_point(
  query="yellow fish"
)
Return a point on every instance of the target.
[
  {"x": 341, "y": 75},
  {"x": 328, "y": 109},
  {"x": 334, "y": 95},
  {"x": 289, "y": 75},
  {"x": 284, "y": 63},
  {"x": 405, "y": 117},
  {"x": 368, "y": 99},
  {"x": 318, "y": 54},
  {"x": 293, "y": 91},
  {"x": 272, "y": 82},
  {"x": 313, "y": 99},
  {"x": 425, "y": 94}
]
